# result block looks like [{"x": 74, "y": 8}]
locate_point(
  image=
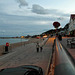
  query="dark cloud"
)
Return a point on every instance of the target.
[
  {"x": 39, "y": 9},
  {"x": 22, "y": 3},
  {"x": 54, "y": 12}
]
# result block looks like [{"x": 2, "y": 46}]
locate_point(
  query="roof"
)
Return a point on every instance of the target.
[{"x": 72, "y": 16}]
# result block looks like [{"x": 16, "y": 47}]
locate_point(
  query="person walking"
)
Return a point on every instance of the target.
[
  {"x": 41, "y": 49},
  {"x": 37, "y": 47}
]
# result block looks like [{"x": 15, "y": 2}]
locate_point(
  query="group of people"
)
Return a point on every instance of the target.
[{"x": 38, "y": 47}]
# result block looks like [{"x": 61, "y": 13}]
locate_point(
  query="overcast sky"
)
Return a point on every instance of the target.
[{"x": 30, "y": 17}]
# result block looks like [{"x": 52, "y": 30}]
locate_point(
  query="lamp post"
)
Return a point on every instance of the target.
[
  {"x": 73, "y": 27},
  {"x": 21, "y": 39}
]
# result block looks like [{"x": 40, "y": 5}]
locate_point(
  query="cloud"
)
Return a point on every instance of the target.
[
  {"x": 53, "y": 12},
  {"x": 39, "y": 9},
  {"x": 60, "y": 18},
  {"x": 14, "y": 25},
  {"x": 22, "y": 3}
]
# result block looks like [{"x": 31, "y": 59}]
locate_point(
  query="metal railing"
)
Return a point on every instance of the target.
[{"x": 63, "y": 63}]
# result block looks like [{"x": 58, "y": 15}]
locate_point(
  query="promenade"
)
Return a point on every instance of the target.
[{"x": 27, "y": 55}]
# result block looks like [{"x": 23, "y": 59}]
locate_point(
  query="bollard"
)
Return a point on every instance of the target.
[{"x": 6, "y": 48}]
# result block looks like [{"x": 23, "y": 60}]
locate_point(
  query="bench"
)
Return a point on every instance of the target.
[{"x": 71, "y": 42}]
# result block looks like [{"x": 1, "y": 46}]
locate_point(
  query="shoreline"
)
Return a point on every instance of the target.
[{"x": 11, "y": 40}]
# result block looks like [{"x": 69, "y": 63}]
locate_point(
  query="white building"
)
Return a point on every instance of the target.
[{"x": 72, "y": 24}]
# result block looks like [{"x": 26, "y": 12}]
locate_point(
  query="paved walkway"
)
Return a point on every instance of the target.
[
  {"x": 70, "y": 50},
  {"x": 27, "y": 55}
]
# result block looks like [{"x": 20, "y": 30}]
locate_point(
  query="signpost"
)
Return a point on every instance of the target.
[
  {"x": 6, "y": 47},
  {"x": 56, "y": 25}
]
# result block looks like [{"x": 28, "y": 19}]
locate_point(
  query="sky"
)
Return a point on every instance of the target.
[{"x": 32, "y": 17}]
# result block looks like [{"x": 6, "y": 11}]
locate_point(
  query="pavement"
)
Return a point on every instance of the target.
[
  {"x": 71, "y": 51},
  {"x": 27, "y": 55}
]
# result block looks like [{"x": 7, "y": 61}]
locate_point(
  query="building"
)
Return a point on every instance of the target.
[{"x": 72, "y": 25}]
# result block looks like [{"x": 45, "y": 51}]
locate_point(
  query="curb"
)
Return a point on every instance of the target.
[{"x": 50, "y": 61}]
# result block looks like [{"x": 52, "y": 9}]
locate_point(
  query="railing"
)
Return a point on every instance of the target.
[{"x": 63, "y": 63}]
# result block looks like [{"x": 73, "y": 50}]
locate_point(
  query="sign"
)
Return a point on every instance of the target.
[
  {"x": 56, "y": 24},
  {"x": 7, "y": 44}
]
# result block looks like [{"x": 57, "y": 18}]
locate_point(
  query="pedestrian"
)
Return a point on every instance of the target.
[
  {"x": 43, "y": 38},
  {"x": 37, "y": 47},
  {"x": 60, "y": 37},
  {"x": 41, "y": 49}
]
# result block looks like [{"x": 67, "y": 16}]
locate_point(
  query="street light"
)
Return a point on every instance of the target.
[{"x": 21, "y": 39}]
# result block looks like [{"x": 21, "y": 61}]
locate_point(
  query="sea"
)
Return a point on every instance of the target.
[{"x": 11, "y": 40}]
